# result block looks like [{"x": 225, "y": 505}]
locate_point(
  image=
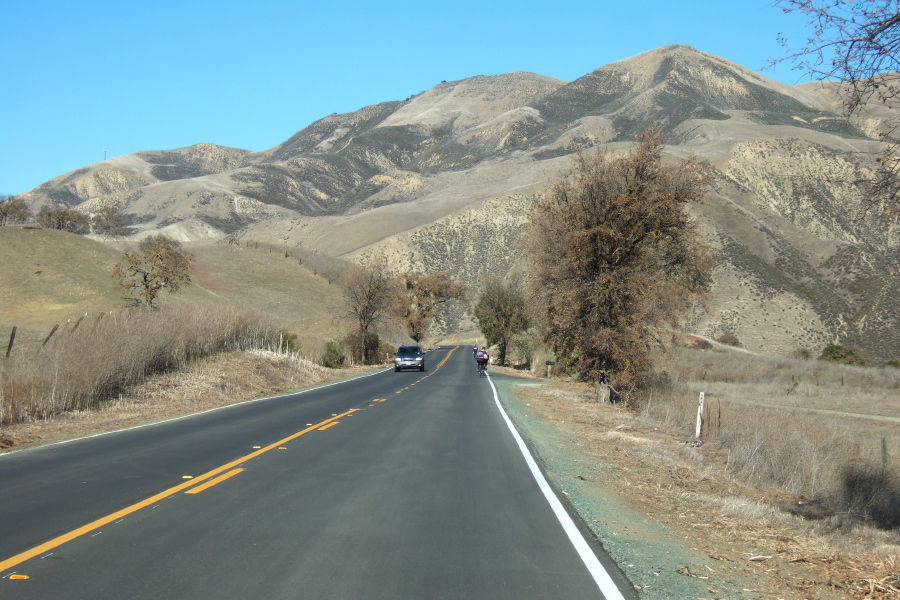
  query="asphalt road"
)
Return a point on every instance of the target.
[{"x": 393, "y": 485}]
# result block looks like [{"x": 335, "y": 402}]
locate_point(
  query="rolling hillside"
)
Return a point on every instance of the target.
[
  {"x": 443, "y": 181},
  {"x": 51, "y": 277}
]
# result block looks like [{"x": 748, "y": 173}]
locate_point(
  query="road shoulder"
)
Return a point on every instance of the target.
[{"x": 663, "y": 529}]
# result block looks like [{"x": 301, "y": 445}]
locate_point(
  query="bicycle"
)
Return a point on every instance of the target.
[{"x": 482, "y": 369}]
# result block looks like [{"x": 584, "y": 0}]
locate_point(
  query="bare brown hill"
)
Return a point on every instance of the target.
[
  {"x": 444, "y": 179},
  {"x": 53, "y": 277}
]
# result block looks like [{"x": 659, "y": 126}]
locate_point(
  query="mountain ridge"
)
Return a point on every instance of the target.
[{"x": 443, "y": 180}]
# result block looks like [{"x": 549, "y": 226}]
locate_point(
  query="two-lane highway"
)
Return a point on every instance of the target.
[{"x": 393, "y": 485}]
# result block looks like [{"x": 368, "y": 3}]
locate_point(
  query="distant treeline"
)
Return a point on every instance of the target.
[{"x": 328, "y": 267}]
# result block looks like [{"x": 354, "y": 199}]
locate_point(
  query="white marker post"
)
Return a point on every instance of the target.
[{"x": 700, "y": 417}]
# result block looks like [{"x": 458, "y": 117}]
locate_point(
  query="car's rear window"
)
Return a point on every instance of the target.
[{"x": 409, "y": 350}]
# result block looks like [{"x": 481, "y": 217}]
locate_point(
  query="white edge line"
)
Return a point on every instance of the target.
[
  {"x": 188, "y": 416},
  {"x": 607, "y": 587}
]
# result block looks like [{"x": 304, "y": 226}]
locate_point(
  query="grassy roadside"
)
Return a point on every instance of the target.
[
  {"x": 207, "y": 383},
  {"x": 676, "y": 520}
]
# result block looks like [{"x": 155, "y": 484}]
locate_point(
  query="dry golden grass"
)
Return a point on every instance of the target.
[
  {"x": 803, "y": 427},
  {"x": 746, "y": 524},
  {"x": 53, "y": 277},
  {"x": 99, "y": 359},
  {"x": 206, "y": 383}
]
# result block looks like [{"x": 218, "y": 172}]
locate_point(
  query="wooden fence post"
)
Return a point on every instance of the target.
[
  {"x": 12, "y": 339},
  {"x": 78, "y": 322},
  {"x": 49, "y": 335}
]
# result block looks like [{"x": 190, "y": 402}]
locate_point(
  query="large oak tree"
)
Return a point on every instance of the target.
[
  {"x": 616, "y": 258},
  {"x": 159, "y": 263}
]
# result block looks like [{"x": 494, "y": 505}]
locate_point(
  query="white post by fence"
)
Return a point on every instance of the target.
[{"x": 700, "y": 417}]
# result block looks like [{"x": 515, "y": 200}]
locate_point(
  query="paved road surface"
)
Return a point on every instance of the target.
[{"x": 394, "y": 485}]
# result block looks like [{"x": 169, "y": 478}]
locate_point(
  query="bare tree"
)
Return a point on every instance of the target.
[
  {"x": 615, "y": 255},
  {"x": 13, "y": 210},
  {"x": 160, "y": 263},
  {"x": 368, "y": 296},
  {"x": 64, "y": 219},
  {"x": 501, "y": 312},
  {"x": 856, "y": 43},
  {"x": 109, "y": 221},
  {"x": 421, "y": 296}
]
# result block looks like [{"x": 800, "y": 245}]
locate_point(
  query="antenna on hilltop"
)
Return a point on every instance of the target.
[{"x": 104, "y": 155}]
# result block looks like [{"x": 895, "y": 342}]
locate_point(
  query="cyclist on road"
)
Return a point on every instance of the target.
[{"x": 482, "y": 358}]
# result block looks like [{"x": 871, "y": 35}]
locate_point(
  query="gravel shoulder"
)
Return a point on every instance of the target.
[{"x": 676, "y": 528}]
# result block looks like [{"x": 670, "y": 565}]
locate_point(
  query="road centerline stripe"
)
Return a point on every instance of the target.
[
  {"x": 94, "y": 525},
  {"x": 199, "y": 488}
]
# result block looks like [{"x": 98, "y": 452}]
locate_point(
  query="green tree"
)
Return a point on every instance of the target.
[
  {"x": 333, "y": 358},
  {"x": 421, "y": 296},
  {"x": 842, "y": 355},
  {"x": 615, "y": 257},
  {"x": 160, "y": 263},
  {"x": 368, "y": 296},
  {"x": 13, "y": 210},
  {"x": 856, "y": 43},
  {"x": 64, "y": 219},
  {"x": 502, "y": 312}
]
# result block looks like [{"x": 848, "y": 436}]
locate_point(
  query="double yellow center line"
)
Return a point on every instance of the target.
[
  {"x": 208, "y": 480},
  {"x": 93, "y": 526}
]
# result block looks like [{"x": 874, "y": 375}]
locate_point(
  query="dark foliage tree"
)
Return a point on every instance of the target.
[
  {"x": 160, "y": 263},
  {"x": 615, "y": 256},
  {"x": 368, "y": 297},
  {"x": 13, "y": 210},
  {"x": 842, "y": 355},
  {"x": 64, "y": 218},
  {"x": 502, "y": 312},
  {"x": 111, "y": 222},
  {"x": 421, "y": 296},
  {"x": 856, "y": 43}
]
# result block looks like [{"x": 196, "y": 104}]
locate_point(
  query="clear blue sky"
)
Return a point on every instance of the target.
[{"x": 80, "y": 79}]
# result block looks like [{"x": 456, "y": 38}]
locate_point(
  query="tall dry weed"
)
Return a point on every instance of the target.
[
  {"x": 82, "y": 368},
  {"x": 825, "y": 432}
]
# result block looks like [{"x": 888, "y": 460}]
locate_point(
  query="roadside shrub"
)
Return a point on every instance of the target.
[
  {"x": 802, "y": 354},
  {"x": 842, "y": 355},
  {"x": 729, "y": 339},
  {"x": 289, "y": 342},
  {"x": 386, "y": 349},
  {"x": 333, "y": 358},
  {"x": 873, "y": 494},
  {"x": 360, "y": 345},
  {"x": 525, "y": 346},
  {"x": 895, "y": 364}
]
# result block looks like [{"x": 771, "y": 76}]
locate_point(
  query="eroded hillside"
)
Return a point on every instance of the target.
[{"x": 444, "y": 181}]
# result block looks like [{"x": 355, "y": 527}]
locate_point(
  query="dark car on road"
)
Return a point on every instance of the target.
[{"x": 409, "y": 357}]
